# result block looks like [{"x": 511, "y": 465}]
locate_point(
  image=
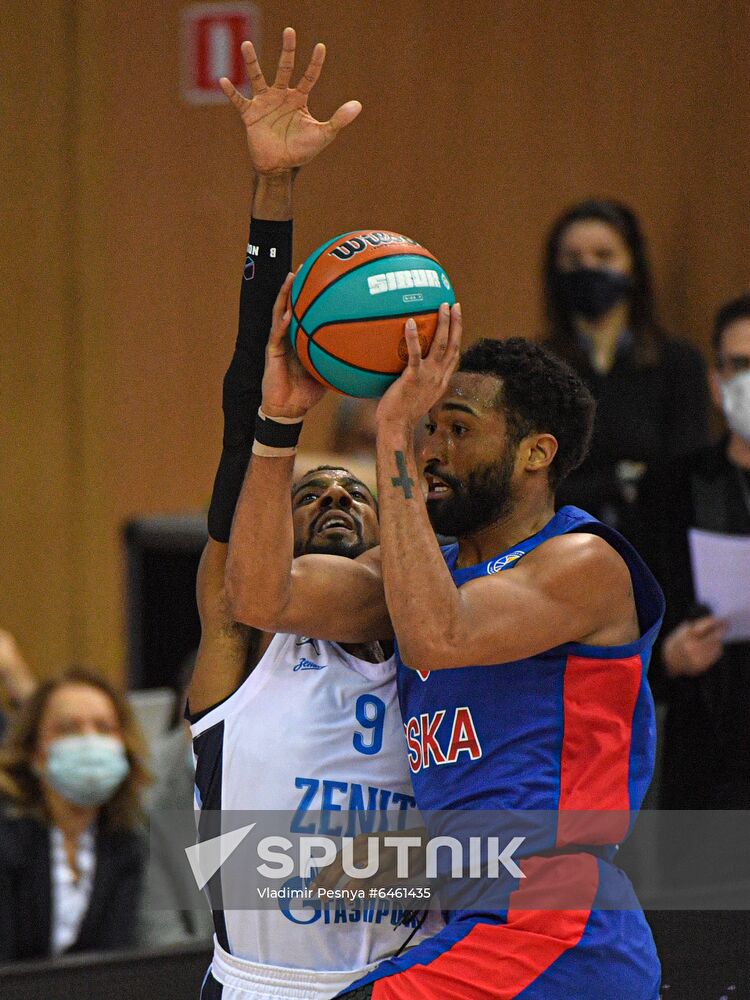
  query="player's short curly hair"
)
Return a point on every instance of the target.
[{"x": 539, "y": 393}]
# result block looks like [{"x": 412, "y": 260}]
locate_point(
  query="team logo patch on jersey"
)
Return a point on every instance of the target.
[
  {"x": 305, "y": 664},
  {"x": 495, "y": 565}
]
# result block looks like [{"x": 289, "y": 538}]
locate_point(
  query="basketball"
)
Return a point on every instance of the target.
[{"x": 350, "y": 301}]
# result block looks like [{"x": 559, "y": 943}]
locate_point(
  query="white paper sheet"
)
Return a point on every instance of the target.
[{"x": 721, "y": 574}]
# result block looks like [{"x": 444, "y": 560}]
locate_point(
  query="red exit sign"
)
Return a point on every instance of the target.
[{"x": 212, "y": 34}]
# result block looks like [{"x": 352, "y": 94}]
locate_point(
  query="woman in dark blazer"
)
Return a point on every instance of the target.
[{"x": 72, "y": 848}]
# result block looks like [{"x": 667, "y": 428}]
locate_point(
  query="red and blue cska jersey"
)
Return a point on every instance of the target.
[
  {"x": 565, "y": 740},
  {"x": 568, "y": 729}
]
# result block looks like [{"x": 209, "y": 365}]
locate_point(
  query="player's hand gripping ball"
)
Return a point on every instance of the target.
[{"x": 350, "y": 301}]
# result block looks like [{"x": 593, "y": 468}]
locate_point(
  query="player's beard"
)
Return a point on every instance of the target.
[
  {"x": 486, "y": 497},
  {"x": 333, "y": 545}
]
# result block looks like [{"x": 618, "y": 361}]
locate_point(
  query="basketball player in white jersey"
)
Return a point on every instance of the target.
[{"x": 314, "y": 725}]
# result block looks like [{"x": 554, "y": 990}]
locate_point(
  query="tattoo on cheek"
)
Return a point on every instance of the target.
[{"x": 402, "y": 479}]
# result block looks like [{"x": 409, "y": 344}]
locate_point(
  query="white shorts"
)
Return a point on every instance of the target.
[{"x": 243, "y": 980}]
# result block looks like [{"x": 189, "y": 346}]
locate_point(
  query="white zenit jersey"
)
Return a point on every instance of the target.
[{"x": 313, "y": 730}]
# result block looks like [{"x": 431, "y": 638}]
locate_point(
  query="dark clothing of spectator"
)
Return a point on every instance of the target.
[
  {"x": 706, "y": 753},
  {"x": 645, "y": 414},
  {"x": 26, "y": 890}
]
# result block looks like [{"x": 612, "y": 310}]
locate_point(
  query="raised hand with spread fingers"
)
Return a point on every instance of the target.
[{"x": 281, "y": 132}]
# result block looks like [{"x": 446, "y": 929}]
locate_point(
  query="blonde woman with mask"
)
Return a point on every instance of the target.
[{"x": 72, "y": 848}]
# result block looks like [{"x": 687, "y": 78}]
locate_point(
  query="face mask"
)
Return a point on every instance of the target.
[
  {"x": 735, "y": 401},
  {"x": 86, "y": 770},
  {"x": 592, "y": 291}
]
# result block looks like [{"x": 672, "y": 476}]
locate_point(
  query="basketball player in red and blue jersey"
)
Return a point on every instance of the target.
[{"x": 523, "y": 649}]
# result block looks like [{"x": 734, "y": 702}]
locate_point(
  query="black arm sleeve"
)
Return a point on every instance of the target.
[{"x": 269, "y": 260}]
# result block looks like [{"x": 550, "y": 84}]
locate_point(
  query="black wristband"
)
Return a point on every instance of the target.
[{"x": 276, "y": 437}]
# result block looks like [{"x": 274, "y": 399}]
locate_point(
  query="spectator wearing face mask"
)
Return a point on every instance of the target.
[
  {"x": 706, "y": 681},
  {"x": 71, "y": 842},
  {"x": 650, "y": 389}
]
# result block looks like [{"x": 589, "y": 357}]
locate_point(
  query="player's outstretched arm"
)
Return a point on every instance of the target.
[
  {"x": 339, "y": 597},
  {"x": 224, "y": 648},
  {"x": 281, "y": 136},
  {"x": 327, "y": 597}
]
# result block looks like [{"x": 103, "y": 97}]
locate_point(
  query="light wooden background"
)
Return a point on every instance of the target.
[{"x": 125, "y": 214}]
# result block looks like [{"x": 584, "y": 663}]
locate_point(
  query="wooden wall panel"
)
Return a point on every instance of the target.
[
  {"x": 38, "y": 423},
  {"x": 715, "y": 256},
  {"x": 482, "y": 120}
]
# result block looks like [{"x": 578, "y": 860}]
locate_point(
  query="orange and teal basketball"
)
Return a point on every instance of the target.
[{"x": 350, "y": 301}]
